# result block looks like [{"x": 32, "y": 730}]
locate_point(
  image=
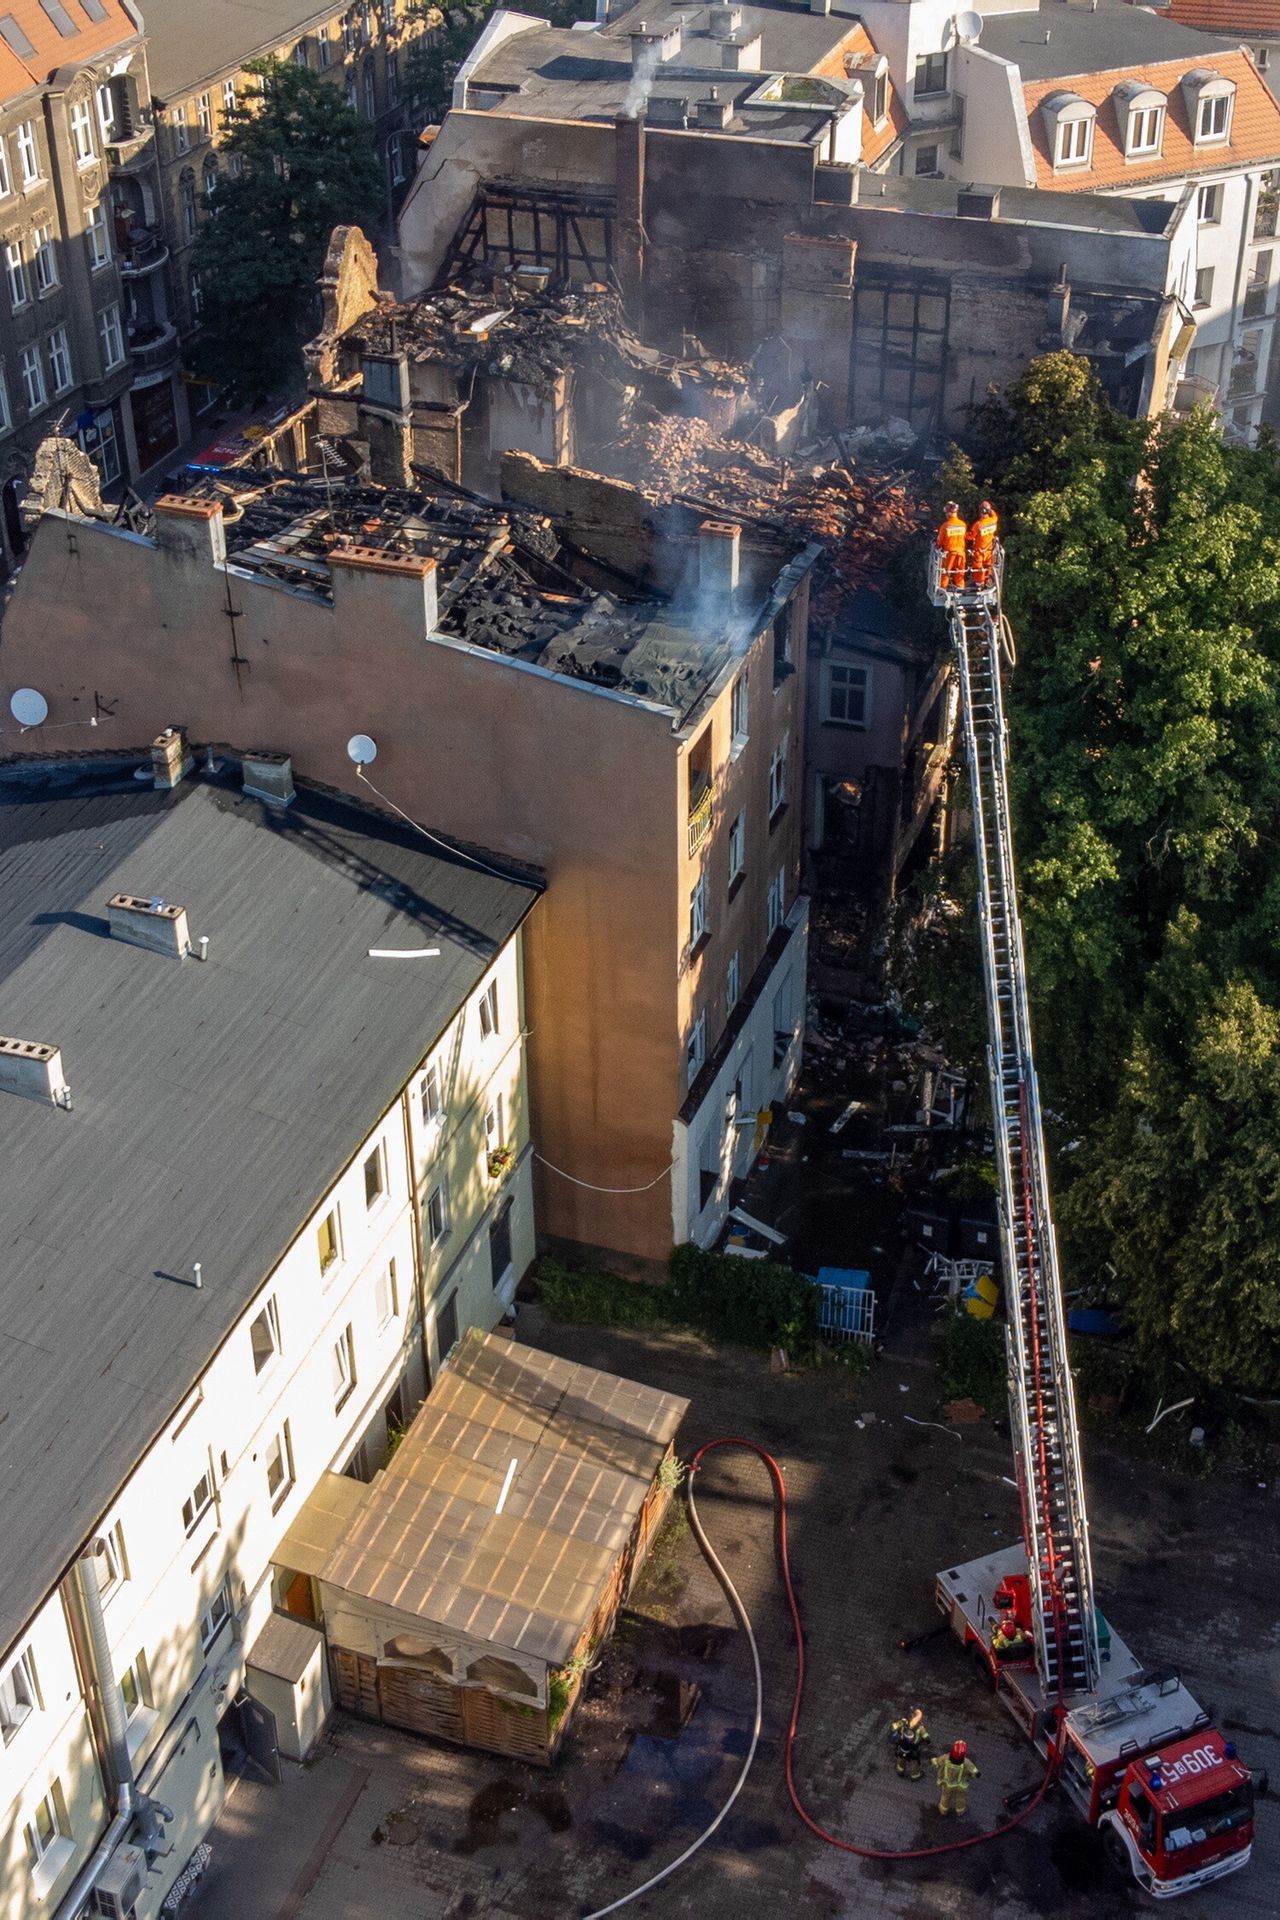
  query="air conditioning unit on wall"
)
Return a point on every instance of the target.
[{"x": 120, "y": 1884}]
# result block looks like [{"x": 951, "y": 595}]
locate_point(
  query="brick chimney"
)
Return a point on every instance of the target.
[
  {"x": 33, "y": 1069},
  {"x": 187, "y": 526},
  {"x": 152, "y": 924},
  {"x": 719, "y": 558},
  {"x": 371, "y": 586},
  {"x": 269, "y": 777},
  {"x": 171, "y": 757},
  {"x": 628, "y": 166}
]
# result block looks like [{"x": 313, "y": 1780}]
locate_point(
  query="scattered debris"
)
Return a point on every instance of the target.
[{"x": 963, "y": 1413}]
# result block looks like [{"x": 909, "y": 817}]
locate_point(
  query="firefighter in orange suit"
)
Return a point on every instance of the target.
[
  {"x": 982, "y": 545},
  {"x": 952, "y": 535}
]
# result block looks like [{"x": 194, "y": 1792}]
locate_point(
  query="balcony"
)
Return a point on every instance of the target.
[
  {"x": 1245, "y": 380},
  {"x": 154, "y": 349},
  {"x": 700, "y": 811},
  {"x": 142, "y": 252}
]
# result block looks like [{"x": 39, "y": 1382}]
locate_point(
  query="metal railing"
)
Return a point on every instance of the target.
[
  {"x": 700, "y": 812},
  {"x": 155, "y": 350}
]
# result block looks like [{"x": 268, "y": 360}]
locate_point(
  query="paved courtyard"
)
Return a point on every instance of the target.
[{"x": 383, "y": 1824}]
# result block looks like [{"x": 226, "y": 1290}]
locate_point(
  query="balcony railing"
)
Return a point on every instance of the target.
[
  {"x": 153, "y": 348},
  {"x": 700, "y": 810},
  {"x": 143, "y": 251}
]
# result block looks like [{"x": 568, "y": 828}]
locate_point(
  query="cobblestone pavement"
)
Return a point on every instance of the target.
[{"x": 426, "y": 1833}]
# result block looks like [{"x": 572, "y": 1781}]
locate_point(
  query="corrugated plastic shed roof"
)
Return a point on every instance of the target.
[
  {"x": 428, "y": 1539},
  {"x": 214, "y": 1105}
]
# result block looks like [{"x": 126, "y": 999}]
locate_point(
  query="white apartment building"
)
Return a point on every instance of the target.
[
  {"x": 1112, "y": 99},
  {"x": 266, "y": 1157}
]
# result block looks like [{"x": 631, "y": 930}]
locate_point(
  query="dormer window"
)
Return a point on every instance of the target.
[
  {"x": 1209, "y": 97},
  {"x": 1140, "y": 111},
  {"x": 1069, "y": 123},
  {"x": 880, "y": 96}
]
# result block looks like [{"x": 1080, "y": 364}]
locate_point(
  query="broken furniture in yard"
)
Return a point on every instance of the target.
[{"x": 466, "y": 1589}]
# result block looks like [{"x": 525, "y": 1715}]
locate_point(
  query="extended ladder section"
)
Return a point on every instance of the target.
[{"x": 1041, "y": 1396}]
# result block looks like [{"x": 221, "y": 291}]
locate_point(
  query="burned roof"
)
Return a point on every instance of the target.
[
  {"x": 510, "y": 583},
  {"x": 576, "y": 1450},
  {"x": 256, "y": 1075}
]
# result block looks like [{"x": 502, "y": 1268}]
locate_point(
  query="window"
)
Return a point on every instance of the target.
[
  {"x": 500, "y": 1256},
  {"x": 28, "y": 154},
  {"x": 733, "y": 980},
  {"x": 112, "y": 338},
  {"x": 1258, "y": 289},
  {"x": 385, "y": 1295},
  {"x": 322, "y": 46},
  {"x": 348, "y": 34},
  {"x": 1074, "y": 141},
  {"x": 195, "y": 297},
  {"x": 370, "y": 91},
  {"x": 696, "y": 1052},
  {"x": 737, "y": 849},
  {"x": 82, "y": 141},
  {"x": 489, "y": 1011},
  {"x": 204, "y": 116},
  {"x": 329, "y": 1240},
  {"x": 447, "y": 1328},
  {"x": 395, "y": 158},
  {"x": 344, "y": 1368},
  {"x": 782, "y": 644},
  {"x": 845, "y": 689},
  {"x": 179, "y": 132},
  {"x": 101, "y": 442},
  {"x": 187, "y": 202},
  {"x": 280, "y": 1467},
  {"x": 880, "y": 98},
  {"x": 926, "y": 161},
  {"x": 698, "y": 914},
  {"x": 19, "y": 1697},
  {"x": 6, "y": 182},
  {"x": 235, "y": 165},
  {"x": 60, "y": 359},
  {"x": 46, "y": 263},
  {"x": 931, "y": 75},
  {"x": 215, "y": 1616},
  {"x": 1214, "y": 118},
  {"x": 432, "y": 1095},
  {"x": 777, "y": 900},
  {"x": 32, "y": 379},
  {"x": 375, "y": 1177},
  {"x": 300, "y": 55},
  {"x": 61, "y": 19},
  {"x": 15, "y": 274},
  {"x": 351, "y": 89},
  {"x": 1204, "y": 286},
  {"x": 110, "y": 1565},
  {"x": 209, "y": 176},
  {"x": 438, "y": 1214},
  {"x": 264, "y": 1336},
  {"x": 46, "y": 1827},
  {"x": 1145, "y": 128},
  {"x": 393, "y": 80},
  {"x": 494, "y": 1132},
  {"x": 1262, "y": 58},
  {"x": 228, "y": 96},
  {"x": 1209, "y": 206},
  {"x": 97, "y": 236},
  {"x": 389, "y": 16},
  {"x": 783, "y": 1029},
  {"x": 6, "y": 416},
  {"x": 197, "y": 1502},
  {"x": 738, "y": 712},
  {"x": 106, "y": 110},
  {"x": 778, "y": 777},
  {"x": 14, "y": 37}
]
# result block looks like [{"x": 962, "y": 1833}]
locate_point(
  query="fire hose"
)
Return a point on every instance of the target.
[{"x": 797, "y": 1627}]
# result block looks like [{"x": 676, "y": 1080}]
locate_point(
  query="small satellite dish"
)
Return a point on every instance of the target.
[
  {"x": 362, "y": 749},
  {"x": 968, "y": 27},
  {"x": 29, "y": 708}
]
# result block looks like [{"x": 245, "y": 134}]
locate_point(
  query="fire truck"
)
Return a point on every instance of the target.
[{"x": 1172, "y": 1799}]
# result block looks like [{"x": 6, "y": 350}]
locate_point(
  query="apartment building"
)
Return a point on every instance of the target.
[
  {"x": 586, "y": 681},
  {"x": 739, "y": 203},
  {"x": 1255, "y": 24},
  {"x": 251, "y": 1204},
  {"x": 198, "y": 57},
  {"x": 73, "y": 94}
]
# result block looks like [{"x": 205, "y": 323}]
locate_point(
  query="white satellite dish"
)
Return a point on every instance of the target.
[
  {"x": 968, "y": 27},
  {"x": 362, "y": 749},
  {"x": 29, "y": 708}
]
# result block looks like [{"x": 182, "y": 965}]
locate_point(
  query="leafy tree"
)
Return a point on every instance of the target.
[
  {"x": 305, "y": 165},
  {"x": 1143, "y": 581}
]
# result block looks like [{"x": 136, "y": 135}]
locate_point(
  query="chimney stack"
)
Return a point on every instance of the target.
[
  {"x": 31, "y": 1068},
  {"x": 628, "y": 179},
  {"x": 719, "y": 557},
  {"x": 171, "y": 757},
  {"x": 152, "y": 924},
  {"x": 269, "y": 777}
]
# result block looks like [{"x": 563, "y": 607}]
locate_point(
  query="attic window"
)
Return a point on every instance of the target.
[
  {"x": 15, "y": 38},
  {"x": 94, "y": 9},
  {"x": 1069, "y": 121},
  {"x": 880, "y": 98},
  {"x": 1214, "y": 119},
  {"x": 1146, "y": 131},
  {"x": 61, "y": 19}
]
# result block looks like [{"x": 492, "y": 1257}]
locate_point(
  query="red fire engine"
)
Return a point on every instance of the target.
[{"x": 1131, "y": 1748}]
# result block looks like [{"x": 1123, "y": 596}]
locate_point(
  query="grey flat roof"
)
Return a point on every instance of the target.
[
  {"x": 213, "y": 1104},
  {"x": 188, "y": 43},
  {"x": 1027, "y": 206},
  {"x": 1081, "y": 41}
]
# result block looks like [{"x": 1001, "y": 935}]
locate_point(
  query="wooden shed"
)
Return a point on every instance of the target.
[{"x": 464, "y": 1589}]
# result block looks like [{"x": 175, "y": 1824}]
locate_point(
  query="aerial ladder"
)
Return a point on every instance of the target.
[{"x": 1132, "y": 1748}]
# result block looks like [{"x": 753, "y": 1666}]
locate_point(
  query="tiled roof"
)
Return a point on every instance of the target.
[
  {"x": 876, "y": 140},
  {"x": 1255, "y": 126},
  {"x": 1247, "y": 17},
  {"x": 33, "y": 45}
]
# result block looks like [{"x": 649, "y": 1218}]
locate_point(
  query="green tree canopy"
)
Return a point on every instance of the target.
[
  {"x": 1143, "y": 582},
  {"x": 297, "y": 162}
]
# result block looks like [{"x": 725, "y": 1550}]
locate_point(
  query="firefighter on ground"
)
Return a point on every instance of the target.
[
  {"x": 1007, "y": 1638},
  {"x": 950, "y": 542},
  {"x": 910, "y": 1738},
  {"x": 954, "y": 1770},
  {"x": 982, "y": 546}
]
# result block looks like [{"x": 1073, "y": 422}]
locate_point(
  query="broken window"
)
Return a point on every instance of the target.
[
  {"x": 931, "y": 74},
  {"x": 696, "y": 1052},
  {"x": 898, "y": 349}
]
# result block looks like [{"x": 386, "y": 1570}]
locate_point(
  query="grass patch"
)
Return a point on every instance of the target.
[{"x": 601, "y": 1298}]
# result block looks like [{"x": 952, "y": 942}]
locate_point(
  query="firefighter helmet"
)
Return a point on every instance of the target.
[
  {"x": 958, "y": 1749},
  {"x": 950, "y": 507},
  {"x": 986, "y": 507}
]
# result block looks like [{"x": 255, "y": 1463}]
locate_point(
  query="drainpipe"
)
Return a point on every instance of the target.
[
  {"x": 415, "y": 1208},
  {"x": 106, "y": 1713}
]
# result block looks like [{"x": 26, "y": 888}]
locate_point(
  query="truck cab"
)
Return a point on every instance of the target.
[{"x": 1183, "y": 1816}]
